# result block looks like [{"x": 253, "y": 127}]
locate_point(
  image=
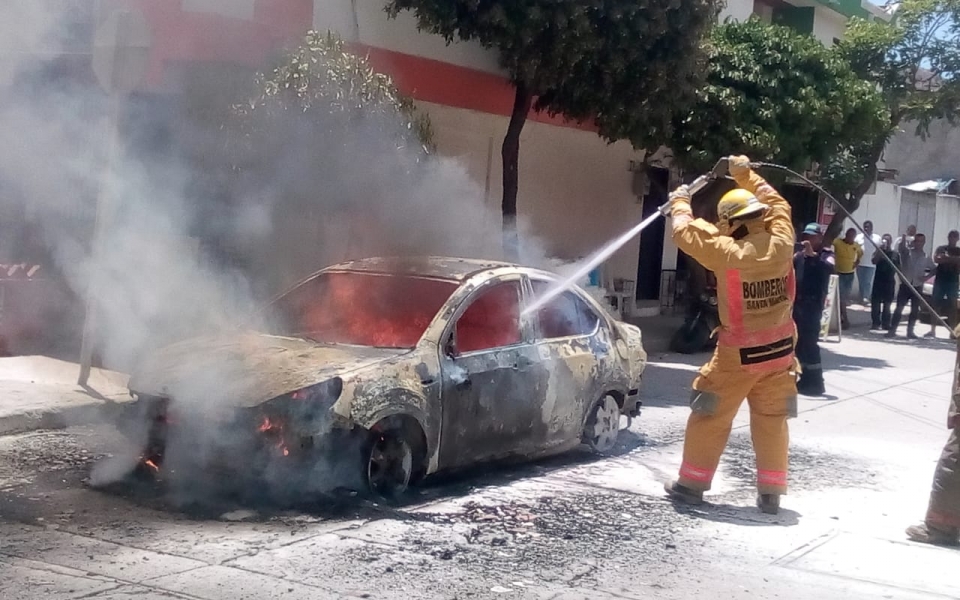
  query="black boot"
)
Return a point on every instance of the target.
[
  {"x": 769, "y": 503},
  {"x": 682, "y": 493},
  {"x": 811, "y": 383},
  {"x": 929, "y": 535}
]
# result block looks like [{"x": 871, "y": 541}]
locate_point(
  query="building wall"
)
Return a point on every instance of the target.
[
  {"x": 737, "y": 10},
  {"x": 915, "y": 159},
  {"x": 828, "y": 25},
  {"x": 883, "y": 208},
  {"x": 575, "y": 190},
  {"x": 366, "y": 22}
]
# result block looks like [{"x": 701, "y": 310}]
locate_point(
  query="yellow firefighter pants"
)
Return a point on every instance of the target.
[{"x": 718, "y": 392}]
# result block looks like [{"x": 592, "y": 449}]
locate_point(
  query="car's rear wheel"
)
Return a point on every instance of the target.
[
  {"x": 390, "y": 462},
  {"x": 603, "y": 425}
]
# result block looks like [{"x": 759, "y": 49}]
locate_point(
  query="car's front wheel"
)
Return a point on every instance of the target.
[
  {"x": 603, "y": 425},
  {"x": 389, "y": 463}
]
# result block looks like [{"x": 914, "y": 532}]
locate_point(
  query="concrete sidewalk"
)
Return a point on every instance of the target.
[{"x": 38, "y": 392}]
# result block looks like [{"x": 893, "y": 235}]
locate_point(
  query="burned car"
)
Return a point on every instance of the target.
[{"x": 424, "y": 365}]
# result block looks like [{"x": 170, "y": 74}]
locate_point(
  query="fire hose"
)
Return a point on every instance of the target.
[{"x": 720, "y": 170}]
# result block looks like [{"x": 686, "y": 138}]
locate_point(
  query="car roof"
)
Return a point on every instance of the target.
[{"x": 441, "y": 267}]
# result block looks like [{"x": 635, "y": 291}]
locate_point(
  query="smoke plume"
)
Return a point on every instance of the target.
[{"x": 189, "y": 245}]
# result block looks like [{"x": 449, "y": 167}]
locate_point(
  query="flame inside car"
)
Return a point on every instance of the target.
[
  {"x": 366, "y": 309},
  {"x": 273, "y": 429}
]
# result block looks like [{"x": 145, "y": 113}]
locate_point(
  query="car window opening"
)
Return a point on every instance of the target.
[
  {"x": 491, "y": 321},
  {"x": 565, "y": 316},
  {"x": 364, "y": 309}
]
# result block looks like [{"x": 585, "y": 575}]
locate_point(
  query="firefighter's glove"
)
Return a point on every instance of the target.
[
  {"x": 681, "y": 194},
  {"x": 739, "y": 167}
]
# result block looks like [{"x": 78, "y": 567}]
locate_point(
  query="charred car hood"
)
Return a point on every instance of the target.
[{"x": 246, "y": 369}]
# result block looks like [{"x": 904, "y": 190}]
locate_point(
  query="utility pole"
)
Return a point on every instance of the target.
[{"x": 121, "y": 54}]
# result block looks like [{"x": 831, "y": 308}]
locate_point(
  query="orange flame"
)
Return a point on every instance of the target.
[
  {"x": 275, "y": 428},
  {"x": 152, "y": 465}
]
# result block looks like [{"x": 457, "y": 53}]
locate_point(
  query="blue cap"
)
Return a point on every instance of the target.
[{"x": 812, "y": 229}]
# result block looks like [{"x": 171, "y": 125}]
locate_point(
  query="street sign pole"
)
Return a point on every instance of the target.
[
  {"x": 121, "y": 52},
  {"x": 104, "y": 198}
]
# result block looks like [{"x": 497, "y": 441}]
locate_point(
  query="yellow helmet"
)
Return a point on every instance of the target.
[{"x": 737, "y": 204}]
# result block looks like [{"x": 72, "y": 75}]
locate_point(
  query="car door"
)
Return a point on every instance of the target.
[
  {"x": 490, "y": 379},
  {"x": 575, "y": 350}
]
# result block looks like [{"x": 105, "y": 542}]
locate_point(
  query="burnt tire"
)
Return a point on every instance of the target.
[
  {"x": 389, "y": 463},
  {"x": 603, "y": 425}
]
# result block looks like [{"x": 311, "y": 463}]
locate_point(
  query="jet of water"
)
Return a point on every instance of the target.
[{"x": 600, "y": 256}]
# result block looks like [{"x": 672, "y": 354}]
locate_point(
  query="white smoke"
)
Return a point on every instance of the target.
[{"x": 153, "y": 282}]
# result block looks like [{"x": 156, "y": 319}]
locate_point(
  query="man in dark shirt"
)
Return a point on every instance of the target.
[
  {"x": 813, "y": 265},
  {"x": 884, "y": 283},
  {"x": 946, "y": 283}
]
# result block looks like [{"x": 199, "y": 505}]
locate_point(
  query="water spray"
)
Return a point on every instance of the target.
[{"x": 719, "y": 171}]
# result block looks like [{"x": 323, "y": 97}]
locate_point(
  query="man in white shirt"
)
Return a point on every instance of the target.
[
  {"x": 866, "y": 269},
  {"x": 906, "y": 238}
]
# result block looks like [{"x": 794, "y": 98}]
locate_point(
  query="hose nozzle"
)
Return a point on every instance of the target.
[{"x": 719, "y": 171}]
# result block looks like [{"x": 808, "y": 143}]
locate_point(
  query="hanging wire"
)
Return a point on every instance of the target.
[{"x": 916, "y": 294}]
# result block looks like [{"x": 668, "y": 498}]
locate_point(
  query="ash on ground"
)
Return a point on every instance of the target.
[
  {"x": 809, "y": 469},
  {"x": 587, "y": 534}
]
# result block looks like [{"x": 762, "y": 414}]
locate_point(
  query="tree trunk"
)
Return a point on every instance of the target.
[
  {"x": 511, "y": 164},
  {"x": 851, "y": 201}
]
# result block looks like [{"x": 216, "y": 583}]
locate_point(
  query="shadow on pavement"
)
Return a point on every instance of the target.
[
  {"x": 835, "y": 361},
  {"x": 668, "y": 384},
  {"x": 749, "y": 516}
]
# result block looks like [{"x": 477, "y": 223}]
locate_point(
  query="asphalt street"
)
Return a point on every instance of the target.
[{"x": 571, "y": 527}]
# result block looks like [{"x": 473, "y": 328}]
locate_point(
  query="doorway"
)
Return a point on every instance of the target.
[{"x": 651, "y": 240}]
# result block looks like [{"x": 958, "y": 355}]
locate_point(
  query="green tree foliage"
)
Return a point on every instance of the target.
[
  {"x": 914, "y": 61},
  {"x": 322, "y": 139},
  {"x": 774, "y": 95},
  {"x": 323, "y": 84},
  {"x": 622, "y": 64}
]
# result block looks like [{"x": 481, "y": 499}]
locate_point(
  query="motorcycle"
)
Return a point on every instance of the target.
[{"x": 698, "y": 332}]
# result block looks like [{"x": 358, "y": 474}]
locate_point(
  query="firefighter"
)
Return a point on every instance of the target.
[
  {"x": 813, "y": 265},
  {"x": 942, "y": 525},
  {"x": 750, "y": 249}
]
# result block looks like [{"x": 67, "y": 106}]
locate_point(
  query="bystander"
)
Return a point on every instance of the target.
[
  {"x": 915, "y": 265},
  {"x": 946, "y": 282},
  {"x": 884, "y": 284},
  {"x": 848, "y": 255},
  {"x": 866, "y": 270}
]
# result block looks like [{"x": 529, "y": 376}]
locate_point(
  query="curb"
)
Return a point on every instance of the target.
[{"x": 87, "y": 413}]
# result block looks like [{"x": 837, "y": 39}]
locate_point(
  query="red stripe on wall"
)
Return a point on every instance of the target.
[
  {"x": 444, "y": 83},
  {"x": 183, "y": 36}
]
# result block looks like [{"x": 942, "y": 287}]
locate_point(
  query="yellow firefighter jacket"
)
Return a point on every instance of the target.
[{"x": 756, "y": 285}]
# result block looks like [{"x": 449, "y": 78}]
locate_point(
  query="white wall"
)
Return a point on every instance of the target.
[
  {"x": 828, "y": 25},
  {"x": 883, "y": 208},
  {"x": 738, "y": 10},
  {"x": 366, "y": 22},
  {"x": 575, "y": 189}
]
